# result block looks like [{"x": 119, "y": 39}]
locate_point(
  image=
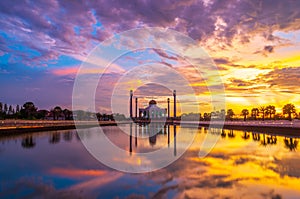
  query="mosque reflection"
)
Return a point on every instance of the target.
[{"x": 152, "y": 130}]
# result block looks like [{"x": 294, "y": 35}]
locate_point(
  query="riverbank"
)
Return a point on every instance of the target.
[
  {"x": 279, "y": 127},
  {"x": 23, "y": 126}
]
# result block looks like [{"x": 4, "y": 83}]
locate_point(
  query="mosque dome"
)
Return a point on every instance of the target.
[{"x": 152, "y": 102}]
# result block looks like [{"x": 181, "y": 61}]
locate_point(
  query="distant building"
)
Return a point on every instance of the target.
[{"x": 152, "y": 111}]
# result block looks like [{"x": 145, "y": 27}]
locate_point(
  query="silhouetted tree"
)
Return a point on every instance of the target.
[
  {"x": 254, "y": 113},
  {"x": 230, "y": 114},
  {"x": 29, "y": 110},
  {"x": 17, "y": 108},
  {"x": 289, "y": 109},
  {"x": 206, "y": 116},
  {"x": 56, "y": 112},
  {"x": 10, "y": 110},
  {"x": 270, "y": 110},
  {"x": 245, "y": 112},
  {"x": 262, "y": 110},
  {"x": 41, "y": 114},
  {"x": 5, "y": 109},
  {"x": 67, "y": 113}
]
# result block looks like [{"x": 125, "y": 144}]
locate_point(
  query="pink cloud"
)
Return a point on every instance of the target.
[{"x": 65, "y": 71}]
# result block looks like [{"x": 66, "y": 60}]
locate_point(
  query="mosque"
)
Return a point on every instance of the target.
[{"x": 152, "y": 111}]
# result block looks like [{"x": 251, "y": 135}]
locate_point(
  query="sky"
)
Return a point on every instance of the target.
[{"x": 254, "y": 45}]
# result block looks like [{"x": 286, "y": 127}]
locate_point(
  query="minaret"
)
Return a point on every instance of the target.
[
  {"x": 136, "y": 107},
  {"x": 174, "y": 95},
  {"x": 168, "y": 107},
  {"x": 130, "y": 103}
]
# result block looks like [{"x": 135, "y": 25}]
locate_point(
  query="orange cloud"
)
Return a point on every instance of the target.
[{"x": 67, "y": 172}]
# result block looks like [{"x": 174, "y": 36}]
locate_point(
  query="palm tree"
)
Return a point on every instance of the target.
[
  {"x": 230, "y": 114},
  {"x": 254, "y": 113},
  {"x": 270, "y": 110},
  {"x": 262, "y": 110},
  {"x": 245, "y": 112},
  {"x": 289, "y": 109}
]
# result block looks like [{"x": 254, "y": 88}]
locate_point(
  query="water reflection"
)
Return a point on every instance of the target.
[
  {"x": 243, "y": 164},
  {"x": 291, "y": 143},
  {"x": 54, "y": 138},
  {"x": 28, "y": 142},
  {"x": 151, "y": 131}
]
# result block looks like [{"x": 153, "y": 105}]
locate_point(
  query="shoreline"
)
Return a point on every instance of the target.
[{"x": 279, "y": 127}]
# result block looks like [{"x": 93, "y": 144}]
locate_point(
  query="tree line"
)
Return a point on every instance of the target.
[
  {"x": 259, "y": 113},
  {"x": 30, "y": 111}
]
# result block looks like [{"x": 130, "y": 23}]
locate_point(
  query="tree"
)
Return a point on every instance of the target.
[
  {"x": 289, "y": 109},
  {"x": 254, "y": 113},
  {"x": 29, "y": 110},
  {"x": 17, "y": 108},
  {"x": 1, "y": 107},
  {"x": 230, "y": 114},
  {"x": 67, "y": 113},
  {"x": 270, "y": 110},
  {"x": 10, "y": 110},
  {"x": 206, "y": 116},
  {"x": 245, "y": 112},
  {"x": 56, "y": 112},
  {"x": 262, "y": 110},
  {"x": 41, "y": 114},
  {"x": 5, "y": 108}
]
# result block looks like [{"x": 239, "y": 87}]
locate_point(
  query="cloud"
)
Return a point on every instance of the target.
[{"x": 62, "y": 27}]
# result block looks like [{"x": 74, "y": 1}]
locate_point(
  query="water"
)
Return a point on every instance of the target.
[{"x": 241, "y": 165}]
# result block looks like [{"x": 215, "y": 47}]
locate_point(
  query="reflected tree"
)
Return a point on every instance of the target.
[
  {"x": 68, "y": 136},
  {"x": 246, "y": 136},
  {"x": 264, "y": 142},
  {"x": 223, "y": 134},
  {"x": 28, "y": 142},
  {"x": 231, "y": 134},
  {"x": 256, "y": 136},
  {"x": 272, "y": 139},
  {"x": 54, "y": 138},
  {"x": 291, "y": 143}
]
